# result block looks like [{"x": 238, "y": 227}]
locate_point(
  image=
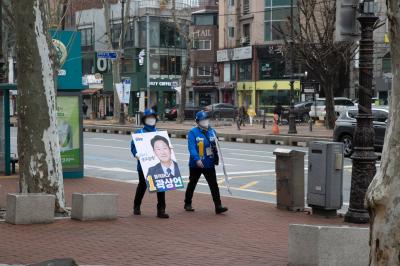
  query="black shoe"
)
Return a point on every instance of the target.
[
  {"x": 220, "y": 209},
  {"x": 188, "y": 207},
  {"x": 136, "y": 211},
  {"x": 162, "y": 214}
]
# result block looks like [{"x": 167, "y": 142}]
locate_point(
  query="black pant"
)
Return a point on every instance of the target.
[
  {"x": 211, "y": 177},
  {"x": 141, "y": 189}
]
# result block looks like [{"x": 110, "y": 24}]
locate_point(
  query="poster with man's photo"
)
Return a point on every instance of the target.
[{"x": 158, "y": 161}]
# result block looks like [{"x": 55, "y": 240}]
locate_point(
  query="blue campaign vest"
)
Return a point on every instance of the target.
[{"x": 195, "y": 136}]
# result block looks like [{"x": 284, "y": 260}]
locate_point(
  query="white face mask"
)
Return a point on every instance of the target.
[
  {"x": 204, "y": 123},
  {"x": 151, "y": 121}
]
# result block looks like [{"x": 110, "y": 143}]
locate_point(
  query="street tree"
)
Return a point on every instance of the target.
[
  {"x": 314, "y": 41},
  {"x": 383, "y": 195},
  {"x": 116, "y": 64},
  {"x": 182, "y": 24},
  {"x": 38, "y": 141}
]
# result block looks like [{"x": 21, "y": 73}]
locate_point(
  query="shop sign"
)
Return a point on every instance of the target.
[{"x": 234, "y": 54}]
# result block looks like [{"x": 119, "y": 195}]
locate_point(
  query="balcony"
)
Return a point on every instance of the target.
[{"x": 245, "y": 41}]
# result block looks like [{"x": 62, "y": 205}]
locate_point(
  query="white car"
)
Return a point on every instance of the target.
[{"x": 318, "y": 109}]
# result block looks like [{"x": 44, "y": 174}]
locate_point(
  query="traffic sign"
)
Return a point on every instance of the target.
[{"x": 107, "y": 55}]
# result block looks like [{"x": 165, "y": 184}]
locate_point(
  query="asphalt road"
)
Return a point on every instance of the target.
[{"x": 250, "y": 167}]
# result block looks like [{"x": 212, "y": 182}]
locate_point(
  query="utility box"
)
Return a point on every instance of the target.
[
  {"x": 325, "y": 176},
  {"x": 289, "y": 168}
]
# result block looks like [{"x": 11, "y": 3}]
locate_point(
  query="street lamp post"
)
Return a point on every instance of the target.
[
  {"x": 363, "y": 157},
  {"x": 292, "y": 117},
  {"x": 122, "y": 105}
]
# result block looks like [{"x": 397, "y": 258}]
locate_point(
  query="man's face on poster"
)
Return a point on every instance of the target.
[{"x": 162, "y": 151}]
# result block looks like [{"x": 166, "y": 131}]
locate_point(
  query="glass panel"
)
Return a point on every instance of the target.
[
  {"x": 2, "y": 135},
  {"x": 227, "y": 72},
  {"x": 204, "y": 20},
  {"x": 245, "y": 71}
]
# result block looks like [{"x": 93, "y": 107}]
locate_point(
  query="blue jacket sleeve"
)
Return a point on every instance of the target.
[
  {"x": 192, "y": 146},
  {"x": 133, "y": 149}
]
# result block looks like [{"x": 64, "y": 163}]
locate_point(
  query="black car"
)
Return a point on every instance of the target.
[
  {"x": 172, "y": 113},
  {"x": 301, "y": 110},
  {"x": 221, "y": 110},
  {"x": 346, "y": 123}
]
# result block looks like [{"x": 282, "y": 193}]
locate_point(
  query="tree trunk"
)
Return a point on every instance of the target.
[
  {"x": 181, "y": 111},
  {"x": 186, "y": 36},
  {"x": 329, "y": 105},
  {"x": 115, "y": 63},
  {"x": 383, "y": 195},
  {"x": 38, "y": 141}
]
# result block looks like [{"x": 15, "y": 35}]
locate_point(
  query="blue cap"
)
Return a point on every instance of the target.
[
  {"x": 147, "y": 113},
  {"x": 201, "y": 115}
]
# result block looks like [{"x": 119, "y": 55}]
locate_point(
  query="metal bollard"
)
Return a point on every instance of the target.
[
  {"x": 310, "y": 122},
  {"x": 264, "y": 121}
]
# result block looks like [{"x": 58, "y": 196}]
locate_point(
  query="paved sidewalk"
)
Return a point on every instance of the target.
[
  {"x": 222, "y": 127},
  {"x": 251, "y": 233}
]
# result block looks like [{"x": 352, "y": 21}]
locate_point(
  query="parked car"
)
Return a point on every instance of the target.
[
  {"x": 221, "y": 110},
  {"x": 172, "y": 113},
  {"x": 301, "y": 110},
  {"x": 340, "y": 104},
  {"x": 346, "y": 123}
]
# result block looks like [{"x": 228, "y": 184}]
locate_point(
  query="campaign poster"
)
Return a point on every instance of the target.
[
  {"x": 68, "y": 131},
  {"x": 158, "y": 161}
]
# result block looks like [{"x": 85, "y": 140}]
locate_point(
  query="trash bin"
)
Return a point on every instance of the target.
[
  {"x": 138, "y": 118},
  {"x": 289, "y": 168}
]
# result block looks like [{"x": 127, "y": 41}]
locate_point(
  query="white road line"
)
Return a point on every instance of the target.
[
  {"x": 254, "y": 155},
  {"x": 105, "y": 146},
  {"x": 118, "y": 140},
  {"x": 231, "y": 149},
  {"x": 110, "y": 169},
  {"x": 124, "y": 170}
]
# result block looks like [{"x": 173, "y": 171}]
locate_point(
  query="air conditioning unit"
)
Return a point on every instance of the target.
[{"x": 245, "y": 40}]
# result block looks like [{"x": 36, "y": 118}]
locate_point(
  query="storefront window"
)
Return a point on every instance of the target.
[
  {"x": 274, "y": 68},
  {"x": 229, "y": 72},
  {"x": 268, "y": 99},
  {"x": 245, "y": 71},
  {"x": 165, "y": 65}
]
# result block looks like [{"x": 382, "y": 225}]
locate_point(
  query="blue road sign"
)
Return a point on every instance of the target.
[{"x": 107, "y": 55}]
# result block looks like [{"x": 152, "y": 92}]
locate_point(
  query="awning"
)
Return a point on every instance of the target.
[
  {"x": 90, "y": 91},
  {"x": 204, "y": 88}
]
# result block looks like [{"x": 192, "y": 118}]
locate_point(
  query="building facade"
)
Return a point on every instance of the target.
[
  {"x": 167, "y": 53},
  {"x": 204, "y": 69},
  {"x": 251, "y": 55}
]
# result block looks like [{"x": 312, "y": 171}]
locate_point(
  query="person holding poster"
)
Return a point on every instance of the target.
[
  {"x": 149, "y": 120},
  {"x": 203, "y": 158}
]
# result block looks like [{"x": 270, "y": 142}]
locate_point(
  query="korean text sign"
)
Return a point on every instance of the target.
[{"x": 158, "y": 161}]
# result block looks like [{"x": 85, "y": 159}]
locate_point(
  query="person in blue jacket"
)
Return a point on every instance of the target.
[
  {"x": 203, "y": 158},
  {"x": 149, "y": 121}
]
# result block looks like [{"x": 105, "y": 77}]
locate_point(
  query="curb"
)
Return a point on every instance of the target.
[{"x": 288, "y": 140}]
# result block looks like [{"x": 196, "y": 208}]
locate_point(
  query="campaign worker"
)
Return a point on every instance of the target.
[
  {"x": 149, "y": 121},
  {"x": 166, "y": 167},
  {"x": 203, "y": 158}
]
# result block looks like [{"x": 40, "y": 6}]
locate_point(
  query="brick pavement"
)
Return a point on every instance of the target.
[{"x": 251, "y": 233}]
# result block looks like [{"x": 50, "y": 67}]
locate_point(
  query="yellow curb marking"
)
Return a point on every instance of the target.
[{"x": 250, "y": 184}]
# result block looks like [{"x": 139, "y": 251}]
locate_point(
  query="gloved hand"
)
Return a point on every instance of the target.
[{"x": 199, "y": 164}]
